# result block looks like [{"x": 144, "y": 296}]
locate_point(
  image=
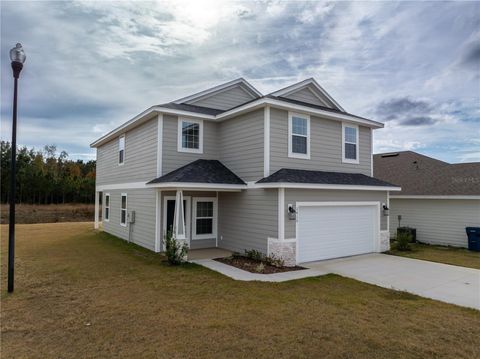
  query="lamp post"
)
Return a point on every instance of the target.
[{"x": 17, "y": 56}]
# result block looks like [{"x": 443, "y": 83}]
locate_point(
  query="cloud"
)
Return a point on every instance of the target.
[{"x": 93, "y": 65}]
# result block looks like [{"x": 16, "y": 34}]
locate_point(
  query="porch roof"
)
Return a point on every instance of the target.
[{"x": 200, "y": 174}]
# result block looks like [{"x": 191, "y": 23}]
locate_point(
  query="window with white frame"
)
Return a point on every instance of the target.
[
  {"x": 204, "y": 218},
  {"x": 298, "y": 135},
  {"x": 106, "y": 214},
  {"x": 190, "y": 135},
  {"x": 350, "y": 143},
  {"x": 121, "y": 150},
  {"x": 123, "y": 210}
]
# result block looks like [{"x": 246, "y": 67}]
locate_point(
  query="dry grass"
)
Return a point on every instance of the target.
[
  {"x": 81, "y": 294},
  {"x": 449, "y": 255},
  {"x": 49, "y": 213}
]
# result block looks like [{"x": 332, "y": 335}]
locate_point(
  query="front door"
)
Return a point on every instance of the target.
[{"x": 169, "y": 212}]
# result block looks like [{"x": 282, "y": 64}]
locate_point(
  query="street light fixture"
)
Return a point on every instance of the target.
[{"x": 17, "y": 56}]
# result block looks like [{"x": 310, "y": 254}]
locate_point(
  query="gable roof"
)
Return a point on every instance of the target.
[
  {"x": 241, "y": 82},
  {"x": 314, "y": 87},
  {"x": 201, "y": 171},
  {"x": 421, "y": 175},
  {"x": 294, "y": 176}
]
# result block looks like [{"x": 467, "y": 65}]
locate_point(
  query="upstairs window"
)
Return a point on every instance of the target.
[
  {"x": 123, "y": 210},
  {"x": 190, "y": 135},
  {"x": 121, "y": 150},
  {"x": 350, "y": 143},
  {"x": 298, "y": 136},
  {"x": 106, "y": 215}
]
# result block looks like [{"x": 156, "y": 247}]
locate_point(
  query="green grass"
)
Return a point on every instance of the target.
[
  {"x": 441, "y": 254},
  {"x": 85, "y": 294}
]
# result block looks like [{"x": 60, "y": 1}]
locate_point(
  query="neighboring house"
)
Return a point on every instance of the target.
[
  {"x": 437, "y": 198},
  {"x": 226, "y": 168}
]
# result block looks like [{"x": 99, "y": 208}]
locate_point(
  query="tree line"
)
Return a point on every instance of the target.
[{"x": 45, "y": 177}]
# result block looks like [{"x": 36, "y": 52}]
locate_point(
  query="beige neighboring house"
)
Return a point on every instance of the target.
[
  {"x": 288, "y": 173},
  {"x": 439, "y": 199}
]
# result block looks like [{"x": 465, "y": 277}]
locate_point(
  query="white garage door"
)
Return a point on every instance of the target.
[{"x": 326, "y": 232}]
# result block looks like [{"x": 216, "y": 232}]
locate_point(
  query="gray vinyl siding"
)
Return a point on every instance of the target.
[
  {"x": 325, "y": 146},
  {"x": 224, "y": 100},
  {"x": 247, "y": 219},
  {"x": 172, "y": 159},
  {"x": 292, "y": 196},
  {"x": 142, "y": 201},
  {"x": 140, "y": 157},
  {"x": 242, "y": 145},
  {"x": 305, "y": 95},
  {"x": 438, "y": 221},
  {"x": 194, "y": 243}
]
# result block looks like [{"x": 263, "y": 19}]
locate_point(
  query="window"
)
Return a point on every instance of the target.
[
  {"x": 123, "y": 210},
  {"x": 298, "y": 136},
  {"x": 204, "y": 225},
  {"x": 190, "y": 135},
  {"x": 350, "y": 143},
  {"x": 106, "y": 215},
  {"x": 121, "y": 150}
]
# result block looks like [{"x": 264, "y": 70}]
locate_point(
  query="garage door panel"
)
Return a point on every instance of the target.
[{"x": 335, "y": 231}]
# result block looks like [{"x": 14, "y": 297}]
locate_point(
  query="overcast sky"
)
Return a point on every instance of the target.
[{"x": 92, "y": 66}]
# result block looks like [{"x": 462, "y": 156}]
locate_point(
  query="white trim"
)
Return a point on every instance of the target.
[
  {"x": 219, "y": 88},
  {"x": 212, "y": 235},
  {"x": 188, "y": 200},
  {"x": 371, "y": 152},
  {"x": 266, "y": 141},
  {"x": 195, "y": 185},
  {"x": 97, "y": 210},
  {"x": 357, "y": 145},
  {"x": 159, "y": 144},
  {"x": 105, "y": 207},
  {"x": 388, "y": 206},
  {"x": 291, "y": 154},
  {"x": 277, "y": 103},
  {"x": 180, "y": 147},
  {"x": 435, "y": 197},
  {"x": 281, "y": 214},
  {"x": 216, "y": 238},
  {"x": 299, "y": 85},
  {"x": 377, "y": 222},
  {"x": 126, "y": 209},
  {"x": 129, "y": 185},
  {"x": 324, "y": 186},
  {"x": 158, "y": 209},
  {"x": 120, "y": 149}
]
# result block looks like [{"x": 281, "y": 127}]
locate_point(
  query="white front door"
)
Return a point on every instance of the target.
[
  {"x": 333, "y": 231},
  {"x": 169, "y": 213}
]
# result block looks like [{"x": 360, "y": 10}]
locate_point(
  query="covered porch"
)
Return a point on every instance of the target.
[{"x": 187, "y": 206}]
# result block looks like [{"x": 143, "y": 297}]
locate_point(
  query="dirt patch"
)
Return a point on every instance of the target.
[
  {"x": 49, "y": 213},
  {"x": 254, "y": 266}
]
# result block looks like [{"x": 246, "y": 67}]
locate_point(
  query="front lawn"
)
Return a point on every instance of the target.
[
  {"x": 82, "y": 294},
  {"x": 449, "y": 255}
]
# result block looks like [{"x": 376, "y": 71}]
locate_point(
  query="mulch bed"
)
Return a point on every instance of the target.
[{"x": 251, "y": 265}]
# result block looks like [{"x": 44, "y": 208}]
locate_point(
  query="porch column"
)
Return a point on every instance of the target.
[
  {"x": 97, "y": 208},
  {"x": 178, "y": 218},
  {"x": 281, "y": 214}
]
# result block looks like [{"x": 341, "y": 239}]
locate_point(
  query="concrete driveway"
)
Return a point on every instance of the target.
[{"x": 447, "y": 283}]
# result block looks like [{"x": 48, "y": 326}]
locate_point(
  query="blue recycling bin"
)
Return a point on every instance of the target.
[{"x": 473, "y": 234}]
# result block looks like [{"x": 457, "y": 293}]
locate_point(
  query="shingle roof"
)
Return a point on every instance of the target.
[
  {"x": 421, "y": 175},
  {"x": 192, "y": 108},
  {"x": 321, "y": 177},
  {"x": 201, "y": 171}
]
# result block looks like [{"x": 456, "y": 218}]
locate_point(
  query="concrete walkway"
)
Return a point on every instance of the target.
[
  {"x": 240, "y": 274},
  {"x": 447, "y": 283}
]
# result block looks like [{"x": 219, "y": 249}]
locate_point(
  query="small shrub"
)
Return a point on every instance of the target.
[
  {"x": 175, "y": 251},
  {"x": 254, "y": 254},
  {"x": 274, "y": 261},
  {"x": 403, "y": 241},
  {"x": 260, "y": 268}
]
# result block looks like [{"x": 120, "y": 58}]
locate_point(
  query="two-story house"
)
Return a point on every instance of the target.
[{"x": 288, "y": 173}]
